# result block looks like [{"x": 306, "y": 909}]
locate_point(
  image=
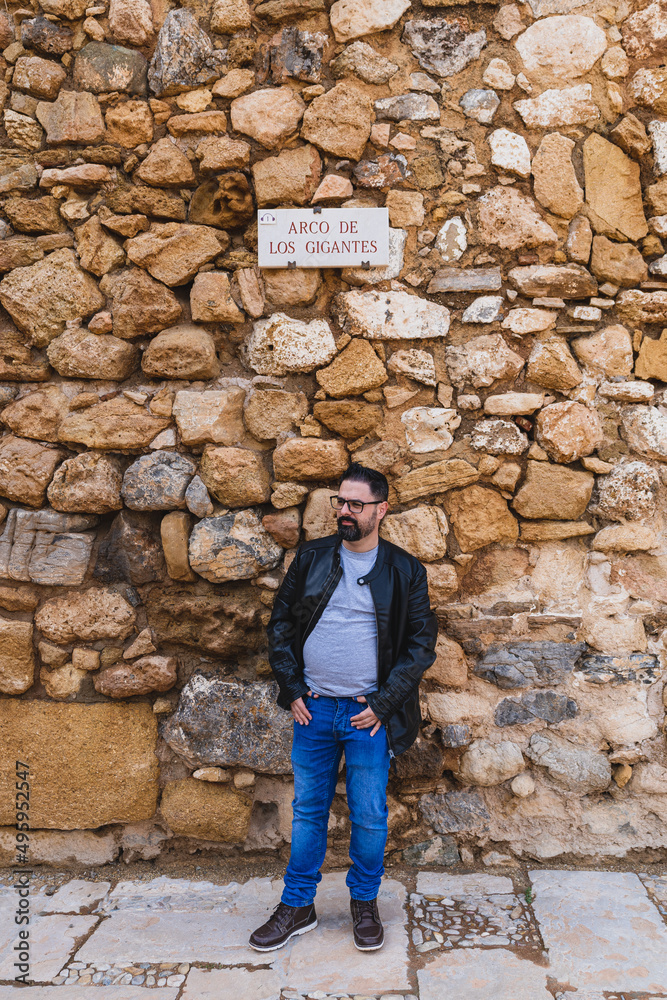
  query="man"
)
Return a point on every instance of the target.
[{"x": 350, "y": 636}]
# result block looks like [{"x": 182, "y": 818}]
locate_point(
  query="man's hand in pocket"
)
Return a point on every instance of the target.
[
  {"x": 300, "y": 712},
  {"x": 365, "y": 719}
]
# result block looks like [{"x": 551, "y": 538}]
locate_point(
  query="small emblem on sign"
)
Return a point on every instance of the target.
[{"x": 267, "y": 219}]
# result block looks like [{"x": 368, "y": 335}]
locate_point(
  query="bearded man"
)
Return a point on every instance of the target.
[{"x": 350, "y": 636}]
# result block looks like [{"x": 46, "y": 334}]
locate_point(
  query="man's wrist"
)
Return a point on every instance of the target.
[{"x": 370, "y": 698}]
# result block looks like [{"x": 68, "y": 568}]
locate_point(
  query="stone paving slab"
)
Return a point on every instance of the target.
[
  {"x": 147, "y": 926},
  {"x": 133, "y": 936},
  {"x": 77, "y": 895},
  {"x": 180, "y": 895},
  {"x": 325, "y": 959},
  {"x": 145, "y": 922},
  {"x": 478, "y": 974},
  {"x": 601, "y": 930},
  {"x": 230, "y": 984},
  {"x": 581, "y": 995},
  {"x": 7, "y": 925},
  {"x": 657, "y": 887},
  {"x": 88, "y": 993},
  {"x": 598, "y": 995},
  {"x": 52, "y": 939},
  {"x": 462, "y": 885}
]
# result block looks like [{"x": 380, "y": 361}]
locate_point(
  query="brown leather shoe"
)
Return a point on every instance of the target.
[
  {"x": 368, "y": 929},
  {"x": 284, "y": 923}
]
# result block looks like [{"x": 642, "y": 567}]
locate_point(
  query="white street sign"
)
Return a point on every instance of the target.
[{"x": 332, "y": 237}]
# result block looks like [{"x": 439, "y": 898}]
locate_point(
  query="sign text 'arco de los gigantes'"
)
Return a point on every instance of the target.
[{"x": 331, "y": 237}]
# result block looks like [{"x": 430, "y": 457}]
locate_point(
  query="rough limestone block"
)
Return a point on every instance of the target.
[
  {"x": 205, "y": 728},
  {"x": 17, "y": 659},
  {"x": 71, "y": 790}
]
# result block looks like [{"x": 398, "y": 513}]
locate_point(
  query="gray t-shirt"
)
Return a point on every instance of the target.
[{"x": 340, "y": 654}]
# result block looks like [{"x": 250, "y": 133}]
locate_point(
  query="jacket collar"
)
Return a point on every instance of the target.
[{"x": 379, "y": 562}]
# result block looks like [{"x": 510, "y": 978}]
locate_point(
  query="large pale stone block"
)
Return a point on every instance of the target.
[
  {"x": 215, "y": 415},
  {"x": 208, "y": 984},
  {"x": 553, "y": 491},
  {"x": 71, "y": 789},
  {"x": 562, "y": 47},
  {"x": 482, "y": 360},
  {"x": 280, "y": 344},
  {"x": 356, "y": 18},
  {"x": 480, "y": 517},
  {"x": 269, "y": 116},
  {"x": 205, "y": 810},
  {"x": 510, "y": 220},
  {"x": 581, "y": 769},
  {"x": 46, "y": 547},
  {"x": 613, "y": 189},
  {"x": 339, "y": 121},
  {"x": 42, "y": 297},
  {"x": 568, "y": 431},
  {"x": 309, "y": 458},
  {"x": 421, "y": 531},
  {"x": 560, "y": 108},
  {"x": 391, "y": 316},
  {"x": 487, "y": 763},
  {"x": 232, "y": 547},
  {"x": 205, "y": 728},
  {"x": 52, "y": 939},
  {"x": 17, "y": 659},
  {"x": 96, "y": 613}
]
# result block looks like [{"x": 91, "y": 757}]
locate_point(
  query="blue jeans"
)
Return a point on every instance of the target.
[{"x": 316, "y": 754}]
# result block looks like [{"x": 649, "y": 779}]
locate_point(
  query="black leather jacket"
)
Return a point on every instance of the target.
[{"x": 407, "y": 629}]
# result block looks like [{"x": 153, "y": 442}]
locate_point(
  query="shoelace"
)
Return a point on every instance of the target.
[
  {"x": 281, "y": 915},
  {"x": 363, "y": 906}
]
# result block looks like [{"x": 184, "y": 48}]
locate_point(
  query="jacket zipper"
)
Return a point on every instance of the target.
[{"x": 392, "y": 755}]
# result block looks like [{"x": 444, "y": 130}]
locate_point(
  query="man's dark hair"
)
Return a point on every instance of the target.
[{"x": 359, "y": 473}]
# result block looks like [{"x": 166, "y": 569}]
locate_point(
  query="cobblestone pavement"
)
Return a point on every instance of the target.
[{"x": 566, "y": 935}]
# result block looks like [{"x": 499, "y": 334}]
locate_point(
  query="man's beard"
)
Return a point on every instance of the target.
[{"x": 353, "y": 532}]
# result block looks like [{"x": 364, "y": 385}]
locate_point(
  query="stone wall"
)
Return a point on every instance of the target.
[{"x": 174, "y": 420}]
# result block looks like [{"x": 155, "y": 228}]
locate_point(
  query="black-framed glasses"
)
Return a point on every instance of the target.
[{"x": 355, "y": 506}]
